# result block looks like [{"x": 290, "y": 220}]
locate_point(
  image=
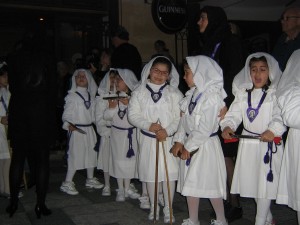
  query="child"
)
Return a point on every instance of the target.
[
  {"x": 123, "y": 142},
  {"x": 106, "y": 89},
  {"x": 4, "y": 149},
  {"x": 288, "y": 94},
  {"x": 154, "y": 109},
  {"x": 258, "y": 160},
  {"x": 202, "y": 175},
  {"x": 78, "y": 117}
]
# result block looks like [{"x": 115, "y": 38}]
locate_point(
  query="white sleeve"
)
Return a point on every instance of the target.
[
  {"x": 135, "y": 113},
  {"x": 173, "y": 126},
  {"x": 233, "y": 117},
  {"x": 276, "y": 124},
  {"x": 291, "y": 108},
  {"x": 179, "y": 136},
  {"x": 100, "y": 107},
  {"x": 206, "y": 125},
  {"x": 69, "y": 109}
]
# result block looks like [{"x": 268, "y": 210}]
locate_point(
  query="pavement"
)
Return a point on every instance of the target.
[{"x": 89, "y": 207}]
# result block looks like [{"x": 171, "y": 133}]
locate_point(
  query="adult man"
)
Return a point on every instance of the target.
[
  {"x": 125, "y": 55},
  {"x": 289, "y": 41}
]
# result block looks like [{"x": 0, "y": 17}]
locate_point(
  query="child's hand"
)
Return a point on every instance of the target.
[
  {"x": 72, "y": 128},
  {"x": 4, "y": 120},
  {"x": 227, "y": 132},
  {"x": 161, "y": 134},
  {"x": 155, "y": 127},
  {"x": 125, "y": 101},
  {"x": 267, "y": 136},
  {"x": 185, "y": 154},
  {"x": 177, "y": 147},
  {"x": 222, "y": 113},
  {"x": 112, "y": 103}
]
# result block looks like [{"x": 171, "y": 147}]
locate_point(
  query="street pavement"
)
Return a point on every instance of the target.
[{"x": 89, "y": 207}]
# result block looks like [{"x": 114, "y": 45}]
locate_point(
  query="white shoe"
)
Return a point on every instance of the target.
[
  {"x": 161, "y": 199},
  {"x": 93, "y": 183},
  {"x": 189, "y": 222},
  {"x": 270, "y": 223},
  {"x": 131, "y": 194},
  {"x": 120, "y": 195},
  {"x": 144, "y": 202},
  {"x": 69, "y": 188},
  {"x": 151, "y": 214},
  {"x": 106, "y": 191},
  {"x": 167, "y": 218},
  {"x": 132, "y": 187},
  {"x": 217, "y": 222}
]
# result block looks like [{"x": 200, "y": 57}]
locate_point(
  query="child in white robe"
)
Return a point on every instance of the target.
[
  {"x": 123, "y": 142},
  {"x": 154, "y": 109},
  {"x": 4, "y": 147},
  {"x": 258, "y": 161},
  {"x": 202, "y": 168},
  {"x": 288, "y": 94},
  {"x": 78, "y": 117},
  {"x": 106, "y": 89}
]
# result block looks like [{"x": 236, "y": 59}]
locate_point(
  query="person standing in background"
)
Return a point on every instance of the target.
[
  {"x": 289, "y": 41},
  {"x": 125, "y": 55},
  {"x": 31, "y": 114}
]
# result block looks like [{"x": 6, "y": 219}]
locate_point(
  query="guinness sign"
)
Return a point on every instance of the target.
[{"x": 170, "y": 16}]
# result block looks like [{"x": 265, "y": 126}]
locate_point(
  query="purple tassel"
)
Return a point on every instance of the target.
[
  {"x": 130, "y": 153},
  {"x": 270, "y": 176},
  {"x": 188, "y": 161},
  {"x": 267, "y": 158}
]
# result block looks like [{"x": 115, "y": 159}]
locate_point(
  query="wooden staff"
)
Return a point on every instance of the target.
[
  {"x": 156, "y": 179},
  {"x": 168, "y": 185}
]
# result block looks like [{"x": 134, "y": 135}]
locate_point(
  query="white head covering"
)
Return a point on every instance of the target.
[
  {"x": 207, "y": 73},
  {"x": 291, "y": 75},
  {"x": 92, "y": 86},
  {"x": 104, "y": 86},
  {"x": 174, "y": 76},
  {"x": 2, "y": 64},
  {"x": 243, "y": 81},
  {"x": 128, "y": 77}
]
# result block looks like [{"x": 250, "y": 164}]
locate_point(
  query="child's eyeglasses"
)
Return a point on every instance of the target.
[
  {"x": 159, "y": 72},
  {"x": 287, "y": 18}
]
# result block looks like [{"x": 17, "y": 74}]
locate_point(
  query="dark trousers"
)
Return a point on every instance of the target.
[{"x": 38, "y": 161}]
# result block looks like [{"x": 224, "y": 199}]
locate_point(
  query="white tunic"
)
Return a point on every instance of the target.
[
  {"x": 121, "y": 166},
  {"x": 104, "y": 130},
  {"x": 4, "y": 149},
  {"x": 205, "y": 176},
  {"x": 250, "y": 174},
  {"x": 289, "y": 186},
  {"x": 142, "y": 113},
  {"x": 81, "y": 153}
]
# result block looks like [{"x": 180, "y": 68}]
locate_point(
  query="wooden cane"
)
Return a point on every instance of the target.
[
  {"x": 168, "y": 184},
  {"x": 156, "y": 179}
]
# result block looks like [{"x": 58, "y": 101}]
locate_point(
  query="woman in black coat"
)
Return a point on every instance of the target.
[{"x": 31, "y": 116}]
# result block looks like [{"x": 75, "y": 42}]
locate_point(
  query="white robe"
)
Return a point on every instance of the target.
[
  {"x": 289, "y": 185},
  {"x": 104, "y": 130},
  {"x": 119, "y": 165},
  {"x": 4, "y": 149},
  {"x": 81, "y": 153},
  {"x": 142, "y": 113},
  {"x": 205, "y": 176},
  {"x": 250, "y": 174}
]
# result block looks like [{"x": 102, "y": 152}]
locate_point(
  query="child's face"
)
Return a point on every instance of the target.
[
  {"x": 159, "y": 73},
  {"x": 259, "y": 72},
  {"x": 111, "y": 81},
  {"x": 188, "y": 76},
  {"x": 120, "y": 84},
  {"x": 81, "y": 80},
  {"x": 4, "y": 80}
]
